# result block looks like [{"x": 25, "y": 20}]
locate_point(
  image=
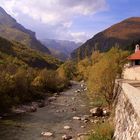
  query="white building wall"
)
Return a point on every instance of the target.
[{"x": 132, "y": 73}]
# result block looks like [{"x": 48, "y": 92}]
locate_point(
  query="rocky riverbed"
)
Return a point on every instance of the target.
[{"x": 68, "y": 116}]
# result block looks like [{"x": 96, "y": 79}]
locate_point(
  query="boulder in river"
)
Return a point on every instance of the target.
[
  {"x": 85, "y": 117},
  {"x": 33, "y": 109},
  {"x": 47, "y": 134},
  {"x": 56, "y": 94},
  {"x": 76, "y": 118},
  {"x": 65, "y": 137},
  {"x": 82, "y": 134},
  {"x": 82, "y": 85},
  {"x": 67, "y": 127},
  {"x": 85, "y": 89},
  {"x": 97, "y": 112},
  {"x": 73, "y": 98},
  {"x": 50, "y": 99},
  {"x": 73, "y": 109},
  {"x": 106, "y": 112},
  {"x": 82, "y": 126},
  {"x": 77, "y": 91}
]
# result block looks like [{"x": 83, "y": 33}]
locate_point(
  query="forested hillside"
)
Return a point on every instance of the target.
[
  {"x": 125, "y": 34},
  {"x": 16, "y": 53}
]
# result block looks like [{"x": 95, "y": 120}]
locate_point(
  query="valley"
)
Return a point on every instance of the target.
[{"x": 67, "y": 70}]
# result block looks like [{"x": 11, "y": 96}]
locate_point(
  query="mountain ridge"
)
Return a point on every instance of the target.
[
  {"x": 60, "y": 48},
  {"x": 12, "y": 30},
  {"x": 123, "y": 33}
]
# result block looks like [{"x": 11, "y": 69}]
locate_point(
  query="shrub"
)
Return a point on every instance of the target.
[
  {"x": 49, "y": 80},
  {"x": 67, "y": 70}
]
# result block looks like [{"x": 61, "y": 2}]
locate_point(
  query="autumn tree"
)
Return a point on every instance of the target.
[{"x": 103, "y": 74}]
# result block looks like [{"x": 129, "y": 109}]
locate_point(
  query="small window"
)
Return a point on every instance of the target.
[{"x": 137, "y": 62}]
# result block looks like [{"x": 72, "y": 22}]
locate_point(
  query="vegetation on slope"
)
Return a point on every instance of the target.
[
  {"x": 12, "y": 30},
  {"x": 14, "y": 52},
  {"x": 124, "y": 34},
  {"x": 26, "y": 74}
]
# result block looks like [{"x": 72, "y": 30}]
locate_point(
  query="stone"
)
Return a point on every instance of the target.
[
  {"x": 77, "y": 91},
  {"x": 85, "y": 121},
  {"x": 57, "y": 111},
  {"x": 50, "y": 99},
  {"x": 56, "y": 94},
  {"x": 139, "y": 135},
  {"x": 82, "y": 134},
  {"x": 82, "y": 105},
  {"x": 76, "y": 118},
  {"x": 82, "y": 81},
  {"x": 65, "y": 137},
  {"x": 106, "y": 112},
  {"x": 91, "y": 120},
  {"x": 35, "y": 104},
  {"x": 47, "y": 134},
  {"x": 73, "y": 109},
  {"x": 93, "y": 110},
  {"x": 41, "y": 104},
  {"x": 19, "y": 111},
  {"x": 33, "y": 109},
  {"x": 82, "y": 85},
  {"x": 82, "y": 126},
  {"x": 97, "y": 112},
  {"x": 73, "y": 98},
  {"x": 85, "y": 117},
  {"x": 67, "y": 127},
  {"x": 96, "y": 121},
  {"x": 85, "y": 89}
]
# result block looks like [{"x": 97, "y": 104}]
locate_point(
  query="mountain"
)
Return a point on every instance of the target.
[
  {"x": 60, "y": 48},
  {"x": 12, "y": 30},
  {"x": 12, "y": 52},
  {"x": 124, "y": 33}
]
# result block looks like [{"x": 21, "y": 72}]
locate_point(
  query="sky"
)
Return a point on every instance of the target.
[{"x": 76, "y": 20}]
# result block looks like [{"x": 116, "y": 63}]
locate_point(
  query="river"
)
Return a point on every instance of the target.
[{"x": 51, "y": 118}]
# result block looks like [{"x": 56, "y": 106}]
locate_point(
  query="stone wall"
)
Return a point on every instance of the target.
[{"x": 127, "y": 114}]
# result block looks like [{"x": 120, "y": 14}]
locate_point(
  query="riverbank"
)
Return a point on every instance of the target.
[{"x": 67, "y": 115}]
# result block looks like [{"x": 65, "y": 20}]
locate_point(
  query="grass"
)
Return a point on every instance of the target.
[
  {"x": 103, "y": 131},
  {"x": 98, "y": 101}
]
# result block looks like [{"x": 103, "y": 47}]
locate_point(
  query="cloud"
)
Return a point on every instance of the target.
[
  {"x": 79, "y": 36},
  {"x": 60, "y": 13}
]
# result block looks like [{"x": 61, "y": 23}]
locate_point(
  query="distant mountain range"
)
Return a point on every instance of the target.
[
  {"x": 12, "y": 30},
  {"x": 124, "y": 34},
  {"x": 60, "y": 48}
]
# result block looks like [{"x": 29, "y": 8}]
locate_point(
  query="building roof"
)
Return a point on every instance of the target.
[{"x": 135, "y": 56}]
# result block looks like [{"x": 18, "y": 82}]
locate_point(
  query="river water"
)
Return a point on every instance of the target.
[{"x": 51, "y": 118}]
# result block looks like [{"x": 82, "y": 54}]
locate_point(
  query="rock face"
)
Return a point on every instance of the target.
[
  {"x": 12, "y": 30},
  {"x": 127, "y": 114},
  {"x": 124, "y": 34},
  {"x": 60, "y": 48}
]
